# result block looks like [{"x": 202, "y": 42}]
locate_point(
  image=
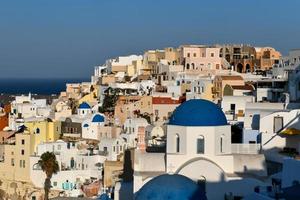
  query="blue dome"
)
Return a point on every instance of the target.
[
  {"x": 172, "y": 187},
  {"x": 84, "y": 105},
  {"x": 98, "y": 118},
  {"x": 85, "y": 125},
  {"x": 198, "y": 112}
]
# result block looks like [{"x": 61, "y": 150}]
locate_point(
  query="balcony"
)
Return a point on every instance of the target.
[{"x": 245, "y": 148}]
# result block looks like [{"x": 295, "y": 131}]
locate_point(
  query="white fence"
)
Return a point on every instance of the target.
[{"x": 245, "y": 148}]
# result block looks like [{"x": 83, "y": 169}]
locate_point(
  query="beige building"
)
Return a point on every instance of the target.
[
  {"x": 246, "y": 58},
  {"x": 222, "y": 80},
  {"x": 266, "y": 57},
  {"x": 152, "y": 58}
]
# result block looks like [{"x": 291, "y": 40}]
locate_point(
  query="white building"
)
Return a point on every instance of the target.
[
  {"x": 112, "y": 147},
  {"x": 91, "y": 127},
  {"x": 77, "y": 165},
  {"x": 279, "y": 131},
  {"x": 27, "y": 107},
  {"x": 131, "y": 127},
  {"x": 199, "y": 147},
  {"x": 234, "y": 106}
]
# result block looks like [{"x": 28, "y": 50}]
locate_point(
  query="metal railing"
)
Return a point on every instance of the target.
[{"x": 245, "y": 148}]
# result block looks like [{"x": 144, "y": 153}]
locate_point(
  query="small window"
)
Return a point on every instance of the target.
[
  {"x": 200, "y": 145},
  {"x": 23, "y": 163},
  {"x": 54, "y": 183},
  {"x": 12, "y": 162},
  {"x": 195, "y": 54},
  {"x": 37, "y": 131},
  {"x": 20, "y": 163},
  {"x": 212, "y": 55},
  {"x": 188, "y": 55},
  {"x": 23, "y": 142},
  {"x": 22, "y": 152}
]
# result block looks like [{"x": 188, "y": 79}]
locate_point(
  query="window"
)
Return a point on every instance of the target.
[
  {"x": 23, "y": 142},
  {"x": 200, "y": 145},
  {"x": 114, "y": 149},
  {"x": 193, "y": 66},
  {"x": 37, "y": 131},
  {"x": 188, "y": 55},
  {"x": 221, "y": 144},
  {"x": 22, "y": 152},
  {"x": 177, "y": 139},
  {"x": 54, "y": 183},
  {"x": 278, "y": 124},
  {"x": 187, "y": 66},
  {"x": 59, "y": 147},
  {"x": 23, "y": 163},
  {"x": 20, "y": 163},
  {"x": 212, "y": 55},
  {"x": 12, "y": 162},
  {"x": 195, "y": 54}
]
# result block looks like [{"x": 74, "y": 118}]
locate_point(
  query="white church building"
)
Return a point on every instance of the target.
[{"x": 199, "y": 147}]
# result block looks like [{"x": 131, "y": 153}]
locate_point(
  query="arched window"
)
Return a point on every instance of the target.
[
  {"x": 187, "y": 66},
  {"x": 200, "y": 145},
  {"x": 177, "y": 142},
  {"x": 37, "y": 130},
  {"x": 193, "y": 66},
  {"x": 72, "y": 163}
]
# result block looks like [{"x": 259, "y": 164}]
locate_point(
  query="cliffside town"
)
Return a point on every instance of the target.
[{"x": 224, "y": 116}]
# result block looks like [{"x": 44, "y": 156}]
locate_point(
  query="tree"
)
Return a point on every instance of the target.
[
  {"x": 110, "y": 100},
  {"x": 49, "y": 165}
]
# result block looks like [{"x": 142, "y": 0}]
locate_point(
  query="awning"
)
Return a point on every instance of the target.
[{"x": 290, "y": 131}]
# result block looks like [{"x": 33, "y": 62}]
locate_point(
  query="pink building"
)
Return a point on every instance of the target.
[{"x": 201, "y": 58}]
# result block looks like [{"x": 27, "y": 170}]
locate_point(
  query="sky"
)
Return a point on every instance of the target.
[{"x": 67, "y": 38}]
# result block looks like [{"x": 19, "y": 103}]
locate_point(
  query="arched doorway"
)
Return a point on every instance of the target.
[
  {"x": 202, "y": 183},
  {"x": 248, "y": 68},
  {"x": 239, "y": 68}
]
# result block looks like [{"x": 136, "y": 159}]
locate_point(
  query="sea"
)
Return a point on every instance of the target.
[{"x": 37, "y": 86}]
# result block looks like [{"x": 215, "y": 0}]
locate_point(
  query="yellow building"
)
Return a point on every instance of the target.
[
  {"x": 43, "y": 131},
  {"x": 15, "y": 166},
  {"x": 15, "y": 169}
]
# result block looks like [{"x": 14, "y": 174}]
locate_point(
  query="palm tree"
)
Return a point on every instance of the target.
[{"x": 49, "y": 165}]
